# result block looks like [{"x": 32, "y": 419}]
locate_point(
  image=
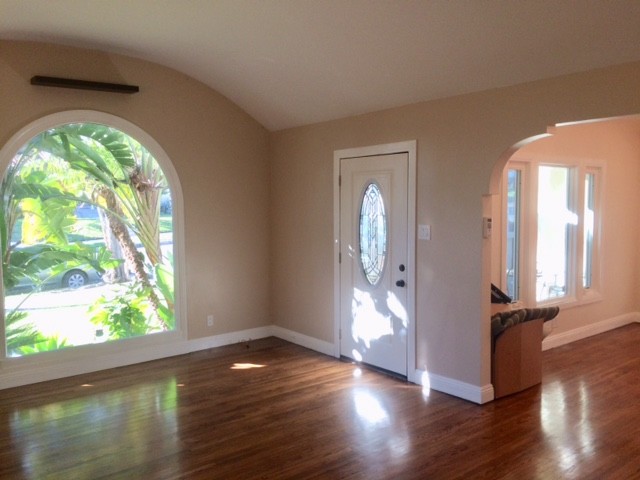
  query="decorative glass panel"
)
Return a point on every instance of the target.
[{"x": 373, "y": 234}]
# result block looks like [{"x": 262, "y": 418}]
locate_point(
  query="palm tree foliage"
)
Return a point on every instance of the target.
[{"x": 47, "y": 211}]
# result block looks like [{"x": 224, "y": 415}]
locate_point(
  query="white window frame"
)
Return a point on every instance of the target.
[
  {"x": 576, "y": 294},
  {"x": 17, "y": 371},
  {"x": 523, "y": 236},
  {"x": 594, "y": 291}
]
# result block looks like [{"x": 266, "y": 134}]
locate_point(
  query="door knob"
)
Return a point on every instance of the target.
[{"x": 400, "y": 283}]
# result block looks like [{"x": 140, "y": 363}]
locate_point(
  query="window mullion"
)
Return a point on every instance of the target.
[
  {"x": 530, "y": 235},
  {"x": 580, "y": 241},
  {"x": 575, "y": 234},
  {"x": 592, "y": 210}
]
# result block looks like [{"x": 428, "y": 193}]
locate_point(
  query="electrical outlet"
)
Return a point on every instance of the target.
[{"x": 209, "y": 320}]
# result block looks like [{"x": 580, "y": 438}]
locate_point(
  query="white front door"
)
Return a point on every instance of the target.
[{"x": 373, "y": 260}]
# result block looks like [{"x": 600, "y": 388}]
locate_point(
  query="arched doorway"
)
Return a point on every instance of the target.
[{"x": 577, "y": 185}]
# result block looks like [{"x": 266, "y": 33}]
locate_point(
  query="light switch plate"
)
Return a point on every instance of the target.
[{"x": 424, "y": 232}]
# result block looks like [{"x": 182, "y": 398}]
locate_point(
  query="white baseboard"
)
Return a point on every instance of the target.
[
  {"x": 450, "y": 386},
  {"x": 442, "y": 384},
  {"x": 59, "y": 366},
  {"x": 303, "y": 340},
  {"x": 556, "y": 340},
  {"x": 24, "y": 371},
  {"x": 230, "y": 338},
  {"x": 55, "y": 365}
]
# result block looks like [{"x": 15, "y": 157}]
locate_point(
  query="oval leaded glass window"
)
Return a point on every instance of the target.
[{"x": 373, "y": 234}]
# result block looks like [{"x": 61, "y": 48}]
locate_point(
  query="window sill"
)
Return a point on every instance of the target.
[{"x": 564, "y": 303}]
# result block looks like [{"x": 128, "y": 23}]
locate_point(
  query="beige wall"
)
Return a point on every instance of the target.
[
  {"x": 219, "y": 153},
  {"x": 460, "y": 141},
  {"x": 615, "y": 144}
]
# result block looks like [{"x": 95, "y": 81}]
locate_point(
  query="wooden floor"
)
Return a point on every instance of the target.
[{"x": 272, "y": 410}]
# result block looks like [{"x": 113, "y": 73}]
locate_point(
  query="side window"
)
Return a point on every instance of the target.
[
  {"x": 554, "y": 227},
  {"x": 591, "y": 229},
  {"x": 513, "y": 214}
]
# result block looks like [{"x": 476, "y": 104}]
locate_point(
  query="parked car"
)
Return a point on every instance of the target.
[
  {"x": 75, "y": 276},
  {"x": 49, "y": 269}
]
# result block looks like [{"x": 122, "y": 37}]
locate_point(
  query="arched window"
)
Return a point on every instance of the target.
[{"x": 87, "y": 234}]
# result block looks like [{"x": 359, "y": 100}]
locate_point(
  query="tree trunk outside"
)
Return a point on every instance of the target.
[
  {"x": 118, "y": 274},
  {"x": 133, "y": 257}
]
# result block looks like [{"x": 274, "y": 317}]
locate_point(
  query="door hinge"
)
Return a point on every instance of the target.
[
  {"x": 339, "y": 180},
  {"x": 340, "y": 257}
]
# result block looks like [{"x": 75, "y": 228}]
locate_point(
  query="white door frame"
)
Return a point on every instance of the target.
[{"x": 408, "y": 147}]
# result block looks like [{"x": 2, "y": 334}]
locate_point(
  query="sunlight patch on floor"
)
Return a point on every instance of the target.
[
  {"x": 370, "y": 409},
  {"x": 246, "y": 366}
]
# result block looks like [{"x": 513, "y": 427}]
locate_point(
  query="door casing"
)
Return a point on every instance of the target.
[{"x": 408, "y": 147}]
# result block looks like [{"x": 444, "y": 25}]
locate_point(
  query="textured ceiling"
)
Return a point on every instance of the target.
[{"x": 296, "y": 62}]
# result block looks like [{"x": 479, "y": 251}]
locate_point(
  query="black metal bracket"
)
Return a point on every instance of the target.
[{"x": 83, "y": 84}]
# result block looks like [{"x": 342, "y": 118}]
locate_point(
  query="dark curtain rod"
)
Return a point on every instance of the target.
[{"x": 83, "y": 84}]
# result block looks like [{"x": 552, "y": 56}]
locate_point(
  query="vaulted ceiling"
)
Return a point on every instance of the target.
[{"x": 296, "y": 62}]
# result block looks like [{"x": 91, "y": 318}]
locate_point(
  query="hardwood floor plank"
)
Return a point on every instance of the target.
[{"x": 272, "y": 410}]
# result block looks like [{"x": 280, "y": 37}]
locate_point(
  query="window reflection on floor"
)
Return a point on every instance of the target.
[
  {"x": 102, "y": 424},
  {"x": 369, "y": 409},
  {"x": 567, "y": 428}
]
